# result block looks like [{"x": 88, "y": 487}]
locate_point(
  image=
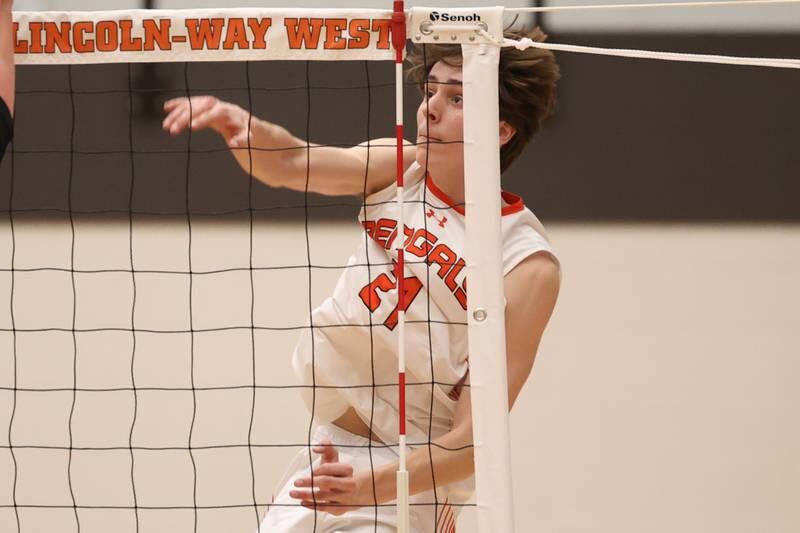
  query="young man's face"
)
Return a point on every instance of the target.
[{"x": 440, "y": 122}]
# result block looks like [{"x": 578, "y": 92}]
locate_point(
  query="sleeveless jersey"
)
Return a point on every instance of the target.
[{"x": 351, "y": 353}]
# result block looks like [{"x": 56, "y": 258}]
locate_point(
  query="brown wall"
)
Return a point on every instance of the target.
[
  {"x": 654, "y": 140},
  {"x": 634, "y": 139}
]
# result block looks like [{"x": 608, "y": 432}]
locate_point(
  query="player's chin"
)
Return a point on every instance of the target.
[
  {"x": 446, "y": 156},
  {"x": 431, "y": 155}
]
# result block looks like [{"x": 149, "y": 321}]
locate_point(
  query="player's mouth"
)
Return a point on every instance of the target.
[{"x": 425, "y": 138}]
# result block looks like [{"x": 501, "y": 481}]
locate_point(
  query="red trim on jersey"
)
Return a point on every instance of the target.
[{"x": 515, "y": 204}]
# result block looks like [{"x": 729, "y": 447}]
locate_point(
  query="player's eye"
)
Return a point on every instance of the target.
[{"x": 457, "y": 99}]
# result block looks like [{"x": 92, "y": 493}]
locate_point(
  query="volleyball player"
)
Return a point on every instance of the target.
[
  {"x": 351, "y": 482},
  {"x": 6, "y": 75}
]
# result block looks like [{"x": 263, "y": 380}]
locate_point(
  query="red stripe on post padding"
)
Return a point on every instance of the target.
[
  {"x": 402, "y": 391},
  {"x": 399, "y": 137}
]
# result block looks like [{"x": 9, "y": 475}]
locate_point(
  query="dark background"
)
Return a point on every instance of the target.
[{"x": 634, "y": 140}]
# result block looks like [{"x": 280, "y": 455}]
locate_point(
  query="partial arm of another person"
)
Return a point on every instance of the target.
[
  {"x": 7, "y": 72},
  {"x": 531, "y": 290},
  {"x": 279, "y": 159}
]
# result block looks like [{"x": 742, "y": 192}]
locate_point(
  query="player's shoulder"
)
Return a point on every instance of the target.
[
  {"x": 541, "y": 264},
  {"x": 523, "y": 219},
  {"x": 537, "y": 273},
  {"x": 532, "y": 287},
  {"x": 381, "y": 156}
]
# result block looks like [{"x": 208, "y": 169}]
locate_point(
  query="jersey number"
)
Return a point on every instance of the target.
[{"x": 383, "y": 283}]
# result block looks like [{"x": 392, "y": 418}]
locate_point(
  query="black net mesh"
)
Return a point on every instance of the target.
[{"x": 154, "y": 292}]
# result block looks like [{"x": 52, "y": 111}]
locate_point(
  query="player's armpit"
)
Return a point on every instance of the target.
[{"x": 531, "y": 291}]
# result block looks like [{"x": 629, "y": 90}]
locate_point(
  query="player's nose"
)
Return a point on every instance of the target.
[{"x": 432, "y": 110}]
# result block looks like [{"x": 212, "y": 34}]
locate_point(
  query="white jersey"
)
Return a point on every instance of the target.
[{"x": 354, "y": 335}]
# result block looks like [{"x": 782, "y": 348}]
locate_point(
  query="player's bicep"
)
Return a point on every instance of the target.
[{"x": 531, "y": 291}]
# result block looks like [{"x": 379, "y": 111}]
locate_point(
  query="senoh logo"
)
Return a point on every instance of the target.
[{"x": 449, "y": 17}]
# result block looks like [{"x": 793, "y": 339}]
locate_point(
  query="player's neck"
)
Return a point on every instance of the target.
[
  {"x": 450, "y": 183},
  {"x": 453, "y": 186}
]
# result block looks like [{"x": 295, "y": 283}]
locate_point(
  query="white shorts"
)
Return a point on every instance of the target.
[{"x": 286, "y": 515}]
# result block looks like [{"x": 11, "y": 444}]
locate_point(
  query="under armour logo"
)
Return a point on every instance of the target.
[{"x": 441, "y": 221}]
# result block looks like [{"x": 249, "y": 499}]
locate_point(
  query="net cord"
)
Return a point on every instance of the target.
[
  {"x": 661, "y": 5},
  {"x": 525, "y": 43}
]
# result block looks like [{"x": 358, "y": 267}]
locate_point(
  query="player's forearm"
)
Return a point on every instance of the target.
[
  {"x": 452, "y": 458},
  {"x": 274, "y": 154},
  {"x": 282, "y": 160}
]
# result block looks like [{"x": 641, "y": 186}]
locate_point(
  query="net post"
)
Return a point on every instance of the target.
[
  {"x": 479, "y": 30},
  {"x": 486, "y": 303}
]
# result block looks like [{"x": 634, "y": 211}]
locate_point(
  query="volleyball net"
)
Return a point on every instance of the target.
[{"x": 155, "y": 294}]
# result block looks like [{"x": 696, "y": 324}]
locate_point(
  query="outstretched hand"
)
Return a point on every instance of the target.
[
  {"x": 199, "y": 112},
  {"x": 336, "y": 489}
]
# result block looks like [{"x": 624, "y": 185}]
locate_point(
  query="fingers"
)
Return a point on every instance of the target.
[
  {"x": 329, "y": 452},
  {"x": 198, "y": 102},
  {"x": 172, "y": 103},
  {"x": 178, "y": 120},
  {"x": 326, "y": 481},
  {"x": 332, "y": 469},
  {"x": 325, "y": 489},
  {"x": 181, "y": 110},
  {"x": 226, "y": 119}
]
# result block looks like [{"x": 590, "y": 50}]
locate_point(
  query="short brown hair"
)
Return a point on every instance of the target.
[{"x": 527, "y": 85}]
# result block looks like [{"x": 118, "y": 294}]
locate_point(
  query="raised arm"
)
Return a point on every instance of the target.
[
  {"x": 279, "y": 159},
  {"x": 7, "y": 54}
]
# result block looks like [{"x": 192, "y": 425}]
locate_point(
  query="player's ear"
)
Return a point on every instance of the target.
[{"x": 507, "y": 132}]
